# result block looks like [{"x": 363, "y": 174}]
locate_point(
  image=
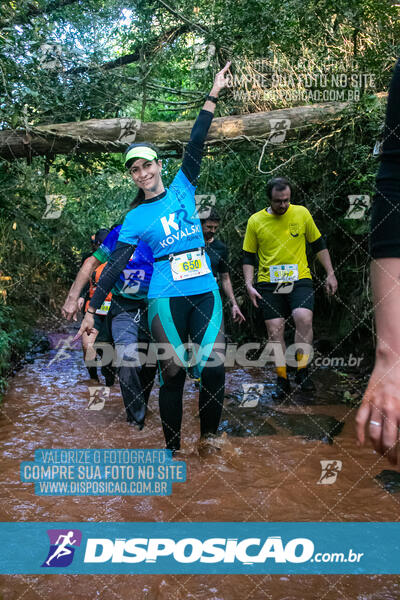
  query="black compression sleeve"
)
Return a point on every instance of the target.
[
  {"x": 385, "y": 214},
  {"x": 116, "y": 264},
  {"x": 249, "y": 258},
  {"x": 194, "y": 151},
  {"x": 318, "y": 245},
  {"x": 391, "y": 141}
]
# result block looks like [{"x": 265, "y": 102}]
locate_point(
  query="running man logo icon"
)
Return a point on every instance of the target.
[
  {"x": 203, "y": 54},
  {"x": 284, "y": 287},
  {"x": 54, "y": 206},
  {"x": 133, "y": 279},
  {"x": 50, "y": 56},
  {"x": 279, "y": 127},
  {"x": 251, "y": 394},
  {"x": 62, "y": 347},
  {"x": 98, "y": 396},
  {"x": 204, "y": 204},
  {"x": 358, "y": 207},
  {"x": 330, "y": 470},
  {"x": 62, "y": 547}
]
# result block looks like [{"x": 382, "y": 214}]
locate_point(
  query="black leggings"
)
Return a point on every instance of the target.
[
  {"x": 385, "y": 221},
  {"x": 172, "y": 321}
]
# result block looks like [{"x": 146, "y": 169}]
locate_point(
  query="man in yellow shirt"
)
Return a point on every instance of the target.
[{"x": 278, "y": 235}]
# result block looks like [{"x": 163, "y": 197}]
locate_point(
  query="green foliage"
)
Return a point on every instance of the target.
[
  {"x": 159, "y": 82},
  {"x": 15, "y": 333}
]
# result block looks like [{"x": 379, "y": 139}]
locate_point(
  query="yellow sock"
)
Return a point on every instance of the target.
[
  {"x": 302, "y": 359},
  {"x": 281, "y": 372}
]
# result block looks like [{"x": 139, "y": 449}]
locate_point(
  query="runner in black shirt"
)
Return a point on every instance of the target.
[{"x": 218, "y": 253}]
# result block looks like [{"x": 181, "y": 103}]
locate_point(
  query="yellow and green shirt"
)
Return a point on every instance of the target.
[{"x": 281, "y": 240}]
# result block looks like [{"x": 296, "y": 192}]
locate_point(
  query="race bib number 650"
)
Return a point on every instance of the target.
[{"x": 188, "y": 265}]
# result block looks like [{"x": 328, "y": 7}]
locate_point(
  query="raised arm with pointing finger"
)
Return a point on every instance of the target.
[
  {"x": 183, "y": 298},
  {"x": 190, "y": 167}
]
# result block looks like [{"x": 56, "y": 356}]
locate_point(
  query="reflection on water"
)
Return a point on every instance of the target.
[{"x": 265, "y": 467}]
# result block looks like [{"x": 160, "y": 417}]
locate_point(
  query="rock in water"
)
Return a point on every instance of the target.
[
  {"x": 239, "y": 421},
  {"x": 311, "y": 427},
  {"x": 245, "y": 428},
  {"x": 389, "y": 480}
]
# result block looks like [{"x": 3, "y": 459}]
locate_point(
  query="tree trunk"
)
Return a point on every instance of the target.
[{"x": 114, "y": 135}]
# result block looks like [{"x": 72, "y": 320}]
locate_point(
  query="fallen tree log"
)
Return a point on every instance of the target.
[{"x": 113, "y": 135}]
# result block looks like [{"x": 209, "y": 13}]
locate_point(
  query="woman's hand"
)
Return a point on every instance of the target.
[
  {"x": 221, "y": 80},
  {"x": 380, "y": 409},
  {"x": 379, "y": 414},
  {"x": 87, "y": 326}
]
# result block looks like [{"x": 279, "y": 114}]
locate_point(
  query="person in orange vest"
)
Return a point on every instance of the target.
[
  {"x": 89, "y": 352},
  {"x": 88, "y": 340},
  {"x": 93, "y": 281}
]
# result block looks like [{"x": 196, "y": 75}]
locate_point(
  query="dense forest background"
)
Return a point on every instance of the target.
[{"x": 73, "y": 60}]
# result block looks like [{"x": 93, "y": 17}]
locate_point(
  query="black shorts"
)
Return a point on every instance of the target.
[{"x": 278, "y": 301}]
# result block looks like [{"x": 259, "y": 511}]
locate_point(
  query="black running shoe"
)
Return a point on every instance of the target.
[
  {"x": 93, "y": 373},
  {"x": 138, "y": 424},
  {"x": 109, "y": 375},
  {"x": 303, "y": 379},
  {"x": 282, "y": 388}
]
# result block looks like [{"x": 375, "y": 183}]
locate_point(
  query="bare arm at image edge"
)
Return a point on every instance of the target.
[{"x": 379, "y": 414}]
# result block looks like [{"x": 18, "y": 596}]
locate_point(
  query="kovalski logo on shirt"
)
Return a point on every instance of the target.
[
  {"x": 180, "y": 229},
  {"x": 294, "y": 229},
  {"x": 167, "y": 224}
]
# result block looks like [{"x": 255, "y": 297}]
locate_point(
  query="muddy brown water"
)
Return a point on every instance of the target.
[{"x": 266, "y": 469}]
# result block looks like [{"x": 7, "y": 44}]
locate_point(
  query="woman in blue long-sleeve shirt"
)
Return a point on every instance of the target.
[{"x": 183, "y": 297}]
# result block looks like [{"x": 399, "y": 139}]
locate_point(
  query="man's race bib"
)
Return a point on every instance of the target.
[
  {"x": 188, "y": 265},
  {"x": 284, "y": 273},
  {"x": 104, "y": 308}
]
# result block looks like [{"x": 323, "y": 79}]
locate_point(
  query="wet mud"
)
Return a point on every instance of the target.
[{"x": 265, "y": 467}]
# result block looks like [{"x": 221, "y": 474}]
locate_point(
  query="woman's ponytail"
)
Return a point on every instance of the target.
[{"x": 138, "y": 200}]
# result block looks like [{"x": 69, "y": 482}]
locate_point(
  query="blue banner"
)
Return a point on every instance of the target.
[{"x": 191, "y": 548}]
